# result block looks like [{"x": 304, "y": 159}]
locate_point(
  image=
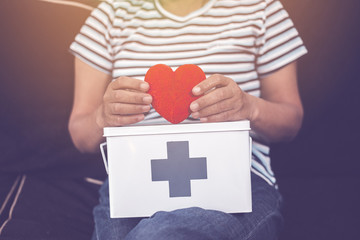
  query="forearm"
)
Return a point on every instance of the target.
[
  {"x": 85, "y": 131},
  {"x": 100, "y": 102},
  {"x": 275, "y": 122},
  {"x": 276, "y": 116}
]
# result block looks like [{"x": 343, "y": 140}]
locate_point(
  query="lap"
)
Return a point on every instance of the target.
[{"x": 264, "y": 222}]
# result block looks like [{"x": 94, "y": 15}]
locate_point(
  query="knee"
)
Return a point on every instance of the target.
[{"x": 189, "y": 223}]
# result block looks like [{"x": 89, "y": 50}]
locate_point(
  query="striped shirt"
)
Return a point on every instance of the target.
[{"x": 241, "y": 39}]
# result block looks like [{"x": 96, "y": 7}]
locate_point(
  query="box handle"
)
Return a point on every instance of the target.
[
  {"x": 250, "y": 151},
  {"x": 102, "y": 146}
]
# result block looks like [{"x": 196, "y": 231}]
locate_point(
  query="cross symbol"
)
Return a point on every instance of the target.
[{"x": 178, "y": 169}]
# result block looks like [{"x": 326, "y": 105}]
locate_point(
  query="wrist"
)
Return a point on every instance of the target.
[
  {"x": 99, "y": 119},
  {"x": 253, "y": 108}
]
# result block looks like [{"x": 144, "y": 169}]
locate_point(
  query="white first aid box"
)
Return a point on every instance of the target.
[{"x": 167, "y": 167}]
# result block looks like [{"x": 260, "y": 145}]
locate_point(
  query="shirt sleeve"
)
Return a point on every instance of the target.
[
  {"x": 93, "y": 43},
  {"x": 280, "y": 43}
]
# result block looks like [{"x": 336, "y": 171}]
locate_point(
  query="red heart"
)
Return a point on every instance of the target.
[{"x": 171, "y": 91}]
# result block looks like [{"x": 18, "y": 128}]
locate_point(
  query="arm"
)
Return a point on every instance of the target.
[
  {"x": 276, "y": 116},
  {"x": 100, "y": 102}
]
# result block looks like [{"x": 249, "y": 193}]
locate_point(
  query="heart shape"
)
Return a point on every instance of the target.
[{"x": 171, "y": 91}]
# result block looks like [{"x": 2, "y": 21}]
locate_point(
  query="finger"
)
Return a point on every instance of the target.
[
  {"x": 220, "y": 117},
  {"x": 125, "y": 96},
  {"x": 211, "y": 82},
  {"x": 219, "y": 107},
  {"x": 130, "y": 83},
  {"x": 121, "y": 120},
  {"x": 127, "y": 109},
  {"x": 211, "y": 98}
]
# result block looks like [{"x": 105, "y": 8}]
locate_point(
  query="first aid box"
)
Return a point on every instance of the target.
[{"x": 167, "y": 167}]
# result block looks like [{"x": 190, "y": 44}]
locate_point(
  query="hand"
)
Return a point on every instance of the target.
[
  {"x": 125, "y": 101},
  {"x": 222, "y": 100}
]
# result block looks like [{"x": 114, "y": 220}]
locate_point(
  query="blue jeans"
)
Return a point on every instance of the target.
[{"x": 264, "y": 222}]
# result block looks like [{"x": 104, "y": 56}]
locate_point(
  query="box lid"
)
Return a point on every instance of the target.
[{"x": 243, "y": 125}]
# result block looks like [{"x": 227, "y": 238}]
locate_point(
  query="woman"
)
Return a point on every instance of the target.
[{"x": 247, "y": 49}]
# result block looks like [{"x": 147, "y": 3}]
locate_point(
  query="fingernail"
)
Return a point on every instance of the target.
[
  {"x": 146, "y": 108},
  {"x": 203, "y": 119},
  {"x": 194, "y": 107},
  {"x": 196, "y": 90},
  {"x": 144, "y": 86},
  {"x": 195, "y": 115},
  {"x": 147, "y": 99}
]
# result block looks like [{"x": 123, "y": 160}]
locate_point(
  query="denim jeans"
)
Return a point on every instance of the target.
[{"x": 263, "y": 223}]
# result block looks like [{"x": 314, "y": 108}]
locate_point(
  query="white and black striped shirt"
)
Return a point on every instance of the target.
[{"x": 241, "y": 39}]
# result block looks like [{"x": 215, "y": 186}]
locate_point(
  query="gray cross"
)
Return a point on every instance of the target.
[{"x": 178, "y": 169}]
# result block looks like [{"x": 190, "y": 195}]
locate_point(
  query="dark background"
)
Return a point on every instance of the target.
[{"x": 318, "y": 173}]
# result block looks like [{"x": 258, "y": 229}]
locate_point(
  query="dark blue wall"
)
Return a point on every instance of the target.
[{"x": 318, "y": 172}]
